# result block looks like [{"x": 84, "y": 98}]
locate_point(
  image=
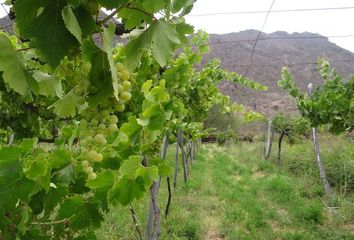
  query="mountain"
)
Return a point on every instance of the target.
[{"x": 298, "y": 51}]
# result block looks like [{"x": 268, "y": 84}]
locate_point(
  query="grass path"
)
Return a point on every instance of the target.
[{"x": 232, "y": 195}]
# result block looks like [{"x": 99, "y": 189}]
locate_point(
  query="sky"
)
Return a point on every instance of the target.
[{"x": 327, "y": 23}]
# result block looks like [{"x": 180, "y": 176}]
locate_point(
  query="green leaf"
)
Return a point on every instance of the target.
[
  {"x": 67, "y": 105},
  {"x": 108, "y": 37},
  {"x": 81, "y": 214},
  {"x": 14, "y": 72},
  {"x": 153, "y": 5},
  {"x": 104, "y": 180},
  {"x": 42, "y": 22},
  {"x": 71, "y": 22},
  {"x": 161, "y": 37},
  {"x": 24, "y": 219},
  {"x": 126, "y": 190},
  {"x": 129, "y": 167},
  {"x": 10, "y": 165},
  {"x": 100, "y": 74},
  {"x": 133, "y": 18},
  {"x": 110, "y": 4},
  {"x": 60, "y": 158},
  {"x": 36, "y": 167},
  {"x": 54, "y": 196},
  {"x": 65, "y": 175},
  {"x": 49, "y": 85},
  {"x": 149, "y": 174},
  {"x": 165, "y": 170},
  {"x": 130, "y": 131}
]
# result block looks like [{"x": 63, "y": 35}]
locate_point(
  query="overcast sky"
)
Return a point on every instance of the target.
[{"x": 327, "y": 23}]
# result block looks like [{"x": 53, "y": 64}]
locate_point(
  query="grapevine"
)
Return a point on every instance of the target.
[{"x": 88, "y": 117}]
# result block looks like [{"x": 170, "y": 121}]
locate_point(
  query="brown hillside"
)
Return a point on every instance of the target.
[{"x": 292, "y": 50}]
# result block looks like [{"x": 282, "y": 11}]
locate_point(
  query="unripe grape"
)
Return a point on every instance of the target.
[
  {"x": 85, "y": 164},
  {"x": 99, "y": 157},
  {"x": 119, "y": 67},
  {"x": 101, "y": 127},
  {"x": 94, "y": 122},
  {"x": 119, "y": 107},
  {"x": 88, "y": 170},
  {"x": 81, "y": 101},
  {"x": 113, "y": 128},
  {"x": 100, "y": 139},
  {"x": 125, "y": 96},
  {"x": 125, "y": 75},
  {"x": 105, "y": 113},
  {"x": 113, "y": 119},
  {"x": 92, "y": 155},
  {"x": 126, "y": 85},
  {"x": 91, "y": 176},
  {"x": 120, "y": 88},
  {"x": 83, "y": 123}
]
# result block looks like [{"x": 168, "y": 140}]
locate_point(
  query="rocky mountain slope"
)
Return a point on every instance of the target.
[{"x": 298, "y": 51}]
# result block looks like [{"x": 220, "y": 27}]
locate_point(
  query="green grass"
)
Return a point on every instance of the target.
[{"x": 233, "y": 194}]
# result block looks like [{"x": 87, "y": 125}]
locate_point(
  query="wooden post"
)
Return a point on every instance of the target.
[
  {"x": 270, "y": 135},
  {"x": 319, "y": 162}
]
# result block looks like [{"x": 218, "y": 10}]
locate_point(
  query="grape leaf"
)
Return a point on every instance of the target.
[
  {"x": 133, "y": 18},
  {"x": 65, "y": 175},
  {"x": 46, "y": 30},
  {"x": 126, "y": 190},
  {"x": 104, "y": 180},
  {"x": 161, "y": 37},
  {"x": 100, "y": 75},
  {"x": 108, "y": 36},
  {"x": 110, "y": 4},
  {"x": 82, "y": 214},
  {"x": 54, "y": 196},
  {"x": 10, "y": 166},
  {"x": 36, "y": 167},
  {"x": 130, "y": 167},
  {"x": 59, "y": 158},
  {"x": 153, "y": 5},
  {"x": 49, "y": 85},
  {"x": 14, "y": 72},
  {"x": 129, "y": 132},
  {"x": 71, "y": 22},
  {"x": 67, "y": 105},
  {"x": 149, "y": 174}
]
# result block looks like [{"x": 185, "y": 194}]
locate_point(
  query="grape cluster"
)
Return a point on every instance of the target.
[
  {"x": 94, "y": 133},
  {"x": 124, "y": 86}
]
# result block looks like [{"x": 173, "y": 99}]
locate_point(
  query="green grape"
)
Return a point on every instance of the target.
[
  {"x": 113, "y": 128},
  {"x": 83, "y": 123},
  {"x": 105, "y": 113},
  {"x": 113, "y": 119},
  {"x": 126, "y": 85},
  {"x": 125, "y": 75},
  {"x": 94, "y": 122},
  {"x": 125, "y": 96},
  {"x": 119, "y": 67},
  {"x": 91, "y": 176},
  {"x": 82, "y": 101},
  {"x": 120, "y": 88},
  {"x": 101, "y": 127},
  {"x": 100, "y": 139},
  {"x": 88, "y": 170},
  {"x": 99, "y": 157},
  {"x": 85, "y": 164},
  {"x": 119, "y": 107},
  {"x": 92, "y": 155}
]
